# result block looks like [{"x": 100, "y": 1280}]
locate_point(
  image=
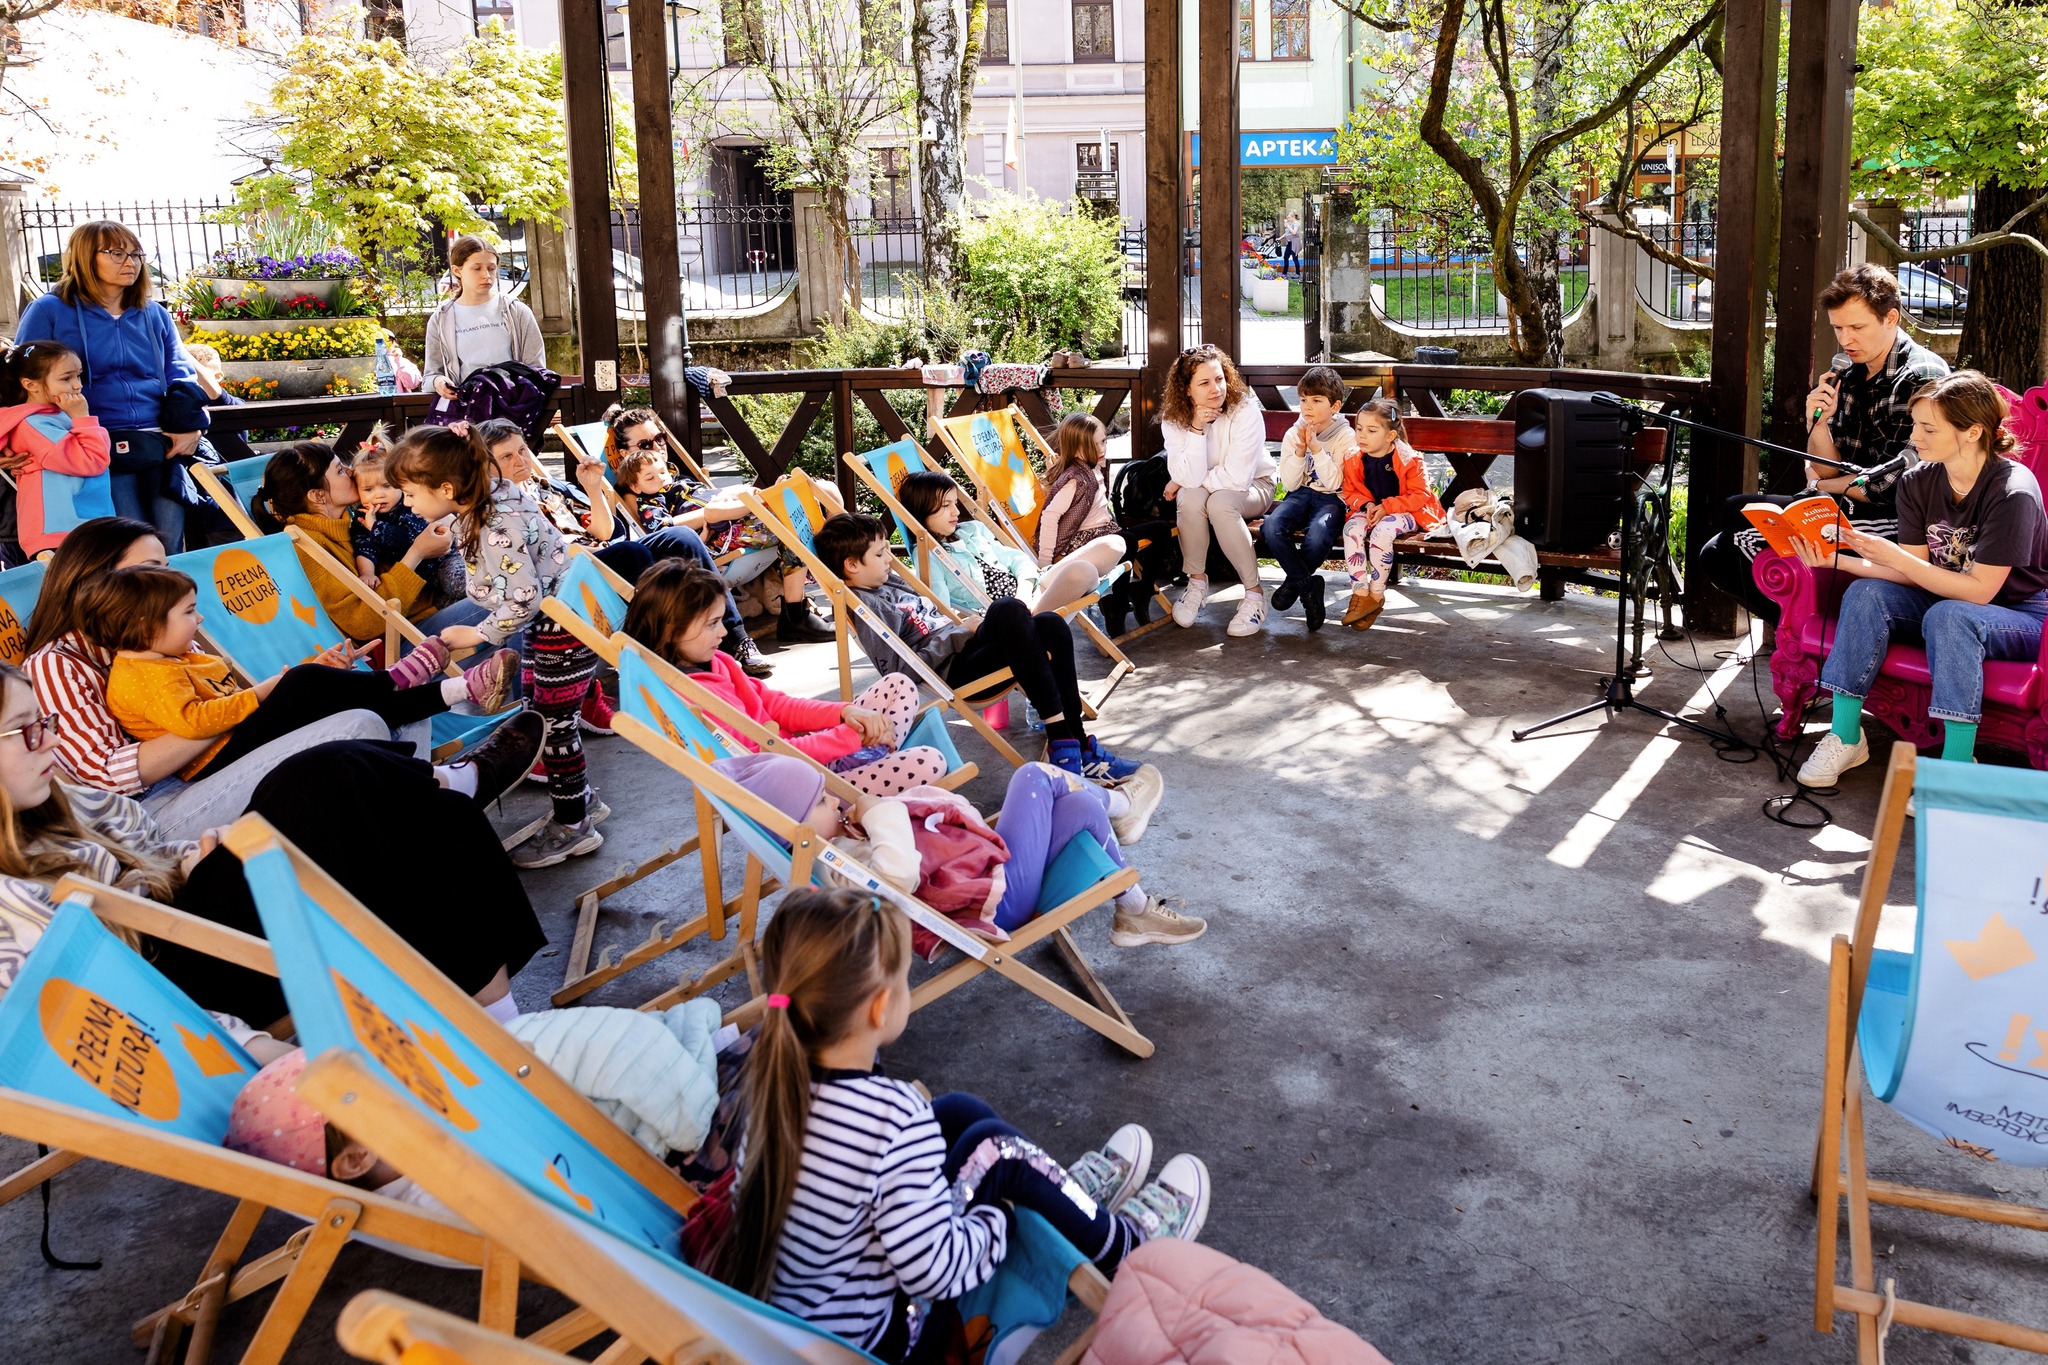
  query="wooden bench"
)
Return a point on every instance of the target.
[{"x": 1471, "y": 445}]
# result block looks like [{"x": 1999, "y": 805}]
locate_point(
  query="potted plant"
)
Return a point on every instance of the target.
[
  {"x": 244, "y": 270},
  {"x": 1269, "y": 291},
  {"x": 297, "y": 359}
]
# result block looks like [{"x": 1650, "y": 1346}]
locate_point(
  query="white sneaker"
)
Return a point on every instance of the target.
[
  {"x": 1143, "y": 788},
  {"x": 1174, "y": 1205},
  {"x": 1251, "y": 615},
  {"x": 1831, "y": 758},
  {"x": 1116, "y": 1171},
  {"x": 1190, "y": 604}
]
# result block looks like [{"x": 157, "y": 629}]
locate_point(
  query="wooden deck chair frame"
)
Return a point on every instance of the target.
[
  {"x": 977, "y": 956},
  {"x": 928, "y": 548},
  {"x": 846, "y": 609},
  {"x": 1840, "y": 1167},
  {"x": 585, "y": 1264},
  {"x": 333, "y": 1211},
  {"x": 224, "y": 498},
  {"x": 579, "y": 977},
  {"x": 611, "y": 494}
]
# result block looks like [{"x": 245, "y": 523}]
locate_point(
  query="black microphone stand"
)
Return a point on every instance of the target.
[{"x": 1618, "y": 691}]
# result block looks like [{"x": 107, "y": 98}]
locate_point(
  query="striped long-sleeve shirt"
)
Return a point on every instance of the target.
[
  {"x": 873, "y": 1212},
  {"x": 70, "y": 677}
]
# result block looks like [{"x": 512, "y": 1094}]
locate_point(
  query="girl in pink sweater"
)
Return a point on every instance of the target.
[
  {"x": 50, "y": 445},
  {"x": 678, "y": 612}
]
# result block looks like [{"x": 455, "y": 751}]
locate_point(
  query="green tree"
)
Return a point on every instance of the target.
[
  {"x": 1490, "y": 112},
  {"x": 388, "y": 147},
  {"x": 1953, "y": 97},
  {"x": 1036, "y": 267}
]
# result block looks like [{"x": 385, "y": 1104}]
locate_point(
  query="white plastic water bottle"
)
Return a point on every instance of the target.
[{"x": 387, "y": 373}]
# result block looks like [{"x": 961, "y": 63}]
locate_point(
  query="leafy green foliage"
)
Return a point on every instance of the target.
[
  {"x": 1949, "y": 94},
  {"x": 1029, "y": 264},
  {"x": 390, "y": 147}
]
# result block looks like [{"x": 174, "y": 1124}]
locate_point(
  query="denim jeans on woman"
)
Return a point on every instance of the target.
[{"x": 1959, "y": 637}]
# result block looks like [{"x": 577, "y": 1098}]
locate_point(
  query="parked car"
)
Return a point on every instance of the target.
[{"x": 1930, "y": 298}]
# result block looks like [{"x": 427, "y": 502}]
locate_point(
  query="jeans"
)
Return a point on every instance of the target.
[
  {"x": 1044, "y": 809},
  {"x": 1959, "y": 637},
  {"x": 141, "y": 495},
  {"x": 1318, "y": 518}
]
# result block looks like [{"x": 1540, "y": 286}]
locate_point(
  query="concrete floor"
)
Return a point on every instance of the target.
[{"x": 1497, "y": 1051}]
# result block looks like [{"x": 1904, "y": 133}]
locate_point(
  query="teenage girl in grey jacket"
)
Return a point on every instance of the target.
[{"x": 479, "y": 326}]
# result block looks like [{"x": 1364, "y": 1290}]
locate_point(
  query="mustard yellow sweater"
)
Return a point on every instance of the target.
[{"x": 194, "y": 696}]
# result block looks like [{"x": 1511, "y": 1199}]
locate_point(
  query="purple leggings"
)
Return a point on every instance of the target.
[{"x": 1041, "y": 812}]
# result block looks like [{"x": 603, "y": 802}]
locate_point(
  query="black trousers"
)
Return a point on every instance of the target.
[
  {"x": 422, "y": 858},
  {"x": 313, "y": 692},
  {"x": 1038, "y": 651},
  {"x": 1728, "y": 564}
]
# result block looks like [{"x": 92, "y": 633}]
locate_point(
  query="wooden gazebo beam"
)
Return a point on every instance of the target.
[
  {"x": 590, "y": 221},
  {"x": 1165, "y": 196},
  {"x": 661, "y": 279}
]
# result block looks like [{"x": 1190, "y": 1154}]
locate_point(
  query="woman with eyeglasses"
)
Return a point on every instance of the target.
[
  {"x": 138, "y": 381},
  {"x": 1221, "y": 477},
  {"x": 55, "y": 829}
]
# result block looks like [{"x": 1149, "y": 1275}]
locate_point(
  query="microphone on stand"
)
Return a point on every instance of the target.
[{"x": 1905, "y": 459}]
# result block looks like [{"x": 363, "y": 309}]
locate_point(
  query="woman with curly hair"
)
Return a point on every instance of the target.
[{"x": 1222, "y": 477}]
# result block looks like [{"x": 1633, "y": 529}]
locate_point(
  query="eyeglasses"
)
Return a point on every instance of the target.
[
  {"x": 34, "y": 733},
  {"x": 132, "y": 257}
]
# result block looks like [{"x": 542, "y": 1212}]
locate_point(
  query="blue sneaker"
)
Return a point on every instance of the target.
[
  {"x": 1065, "y": 754},
  {"x": 1100, "y": 765}
]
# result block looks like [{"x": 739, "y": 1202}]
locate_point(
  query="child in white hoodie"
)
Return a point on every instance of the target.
[{"x": 1312, "y": 457}]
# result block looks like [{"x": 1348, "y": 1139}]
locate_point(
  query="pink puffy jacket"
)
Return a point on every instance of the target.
[{"x": 1178, "y": 1302}]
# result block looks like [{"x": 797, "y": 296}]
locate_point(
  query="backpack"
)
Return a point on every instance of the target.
[
  {"x": 516, "y": 392},
  {"x": 1138, "y": 493}
]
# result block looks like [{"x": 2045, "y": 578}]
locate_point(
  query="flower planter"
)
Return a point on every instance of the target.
[
  {"x": 302, "y": 378},
  {"x": 1269, "y": 296},
  {"x": 323, "y": 290},
  {"x": 252, "y": 326}
]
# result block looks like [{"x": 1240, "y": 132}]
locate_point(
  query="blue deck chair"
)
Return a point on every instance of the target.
[
  {"x": 1082, "y": 878},
  {"x": 794, "y": 507},
  {"x": 883, "y": 471},
  {"x": 18, "y": 591},
  {"x": 262, "y": 616},
  {"x": 232, "y": 487},
  {"x": 101, "y": 1057},
  {"x": 1952, "y": 1035}
]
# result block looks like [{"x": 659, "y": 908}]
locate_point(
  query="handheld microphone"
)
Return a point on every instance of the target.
[{"x": 1841, "y": 367}]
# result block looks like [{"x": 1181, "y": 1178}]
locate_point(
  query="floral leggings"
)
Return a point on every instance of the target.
[
  {"x": 895, "y": 696},
  {"x": 1370, "y": 555}
]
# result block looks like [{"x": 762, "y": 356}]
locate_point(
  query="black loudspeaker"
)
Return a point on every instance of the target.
[{"x": 1571, "y": 466}]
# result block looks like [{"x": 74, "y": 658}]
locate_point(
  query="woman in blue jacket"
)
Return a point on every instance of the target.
[{"x": 100, "y": 308}]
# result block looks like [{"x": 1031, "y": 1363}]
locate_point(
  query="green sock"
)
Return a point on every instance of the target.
[
  {"x": 1959, "y": 741},
  {"x": 1848, "y": 726}
]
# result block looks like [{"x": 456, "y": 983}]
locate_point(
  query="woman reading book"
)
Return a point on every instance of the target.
[{"x": 1968, "y": 573}]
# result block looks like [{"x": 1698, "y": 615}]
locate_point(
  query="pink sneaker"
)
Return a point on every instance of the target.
[{"x": 595, "y": 715}]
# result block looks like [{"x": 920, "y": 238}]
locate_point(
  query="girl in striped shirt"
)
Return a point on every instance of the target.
[{"x": 857, "y": 1195}]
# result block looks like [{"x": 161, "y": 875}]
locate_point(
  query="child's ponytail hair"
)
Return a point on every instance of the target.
[
  {"x": 29, "y": 360},
  {"x": 827, "y": 953},
  {"x": 1388, "y": 411},
  {"x": 1079, "y": 440},
  {"x": 292, "y": 473},
  {"x": 457, "y": 457}
]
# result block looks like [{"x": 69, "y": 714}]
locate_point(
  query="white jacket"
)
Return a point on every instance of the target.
[
  {"x": 655, "y": 1075},
  {"x": 1231, "y": 454},
  {"x": 1316, "y": 460}
]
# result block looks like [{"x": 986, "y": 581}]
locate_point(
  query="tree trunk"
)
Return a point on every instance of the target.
[
  {"x": 839, "y": 219},
  {"x": 935, "y": 53},
  {"x": 970, "y": 57},
  {"x": 2005, "y": 323}
]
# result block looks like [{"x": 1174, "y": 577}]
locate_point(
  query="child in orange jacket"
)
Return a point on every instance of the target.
[
  {"x": 1388, "y": 492},
  {"x": 54, "y": 449}
]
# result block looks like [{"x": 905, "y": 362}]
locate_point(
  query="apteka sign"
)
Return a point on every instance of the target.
[{"x": 1283, "y": 147}]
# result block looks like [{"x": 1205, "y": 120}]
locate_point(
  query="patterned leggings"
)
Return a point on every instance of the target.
[
  {"x": 563, "y": 670},
  {"x": 1370, "y": 556},
  {"x": 895, "y": 696}
]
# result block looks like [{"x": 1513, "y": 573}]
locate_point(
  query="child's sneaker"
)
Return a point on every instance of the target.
[
  {"x": 1114, "y": 1174},
  {"x": 594, "y": 717},
  {"x": 557, "y": 843},
  {"x": 1365, "y": 609},
  {"x": 752, "y": 661},
  {"x": 422, "y": 665},
  {"x": 1100, "y": 765},
  {"x": 1176, "y": 1204},
  {"x": 538, "y": 773},
  {"x": 1065, "y": 754},
  {"x": 1154, "y": 924},
  {"x": 1315, "y": 603},
  {"x": 1143, "y": 790},
  {"x": 1190, "y": 604},
  {"x": 490, "y": 682}
]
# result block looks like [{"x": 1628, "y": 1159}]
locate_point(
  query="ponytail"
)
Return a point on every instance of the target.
[
  {"x": 291, "y": 475},
  {"x": 457, "y": 457},
  {"x": 1388, "y": 411},
  {"x": 826, "y": 953},
  {"x": 29, "y": 360}
]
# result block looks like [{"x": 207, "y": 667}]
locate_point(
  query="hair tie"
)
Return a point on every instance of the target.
[
  {"x": 778, "y": 1002},
  {"x": 459, "y": 427}
]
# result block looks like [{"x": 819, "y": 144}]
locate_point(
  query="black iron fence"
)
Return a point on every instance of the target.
[
  {"x": 735, "y": 256},
  {"x": 177, "y": 237},
  {"x": 1431, "y": 281},
  {"x": 1131, "y": 245},
  {"x": 1671, "y": 290},
  {"x": 891, "y": 252}
]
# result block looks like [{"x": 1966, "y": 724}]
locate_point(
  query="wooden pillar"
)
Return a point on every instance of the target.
[
  {"x": 590, "y": 218},
  {"x": 1165, "y": 207},
  {"x": 660, "y": 259},
  {"x": 1745, "y": 235},
  {"x": 1222, "y": 222},
  {"x": 1813, "y": 237}
]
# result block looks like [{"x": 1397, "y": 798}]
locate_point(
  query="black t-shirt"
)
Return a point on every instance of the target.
[{"x": 2000, "y": 522}]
